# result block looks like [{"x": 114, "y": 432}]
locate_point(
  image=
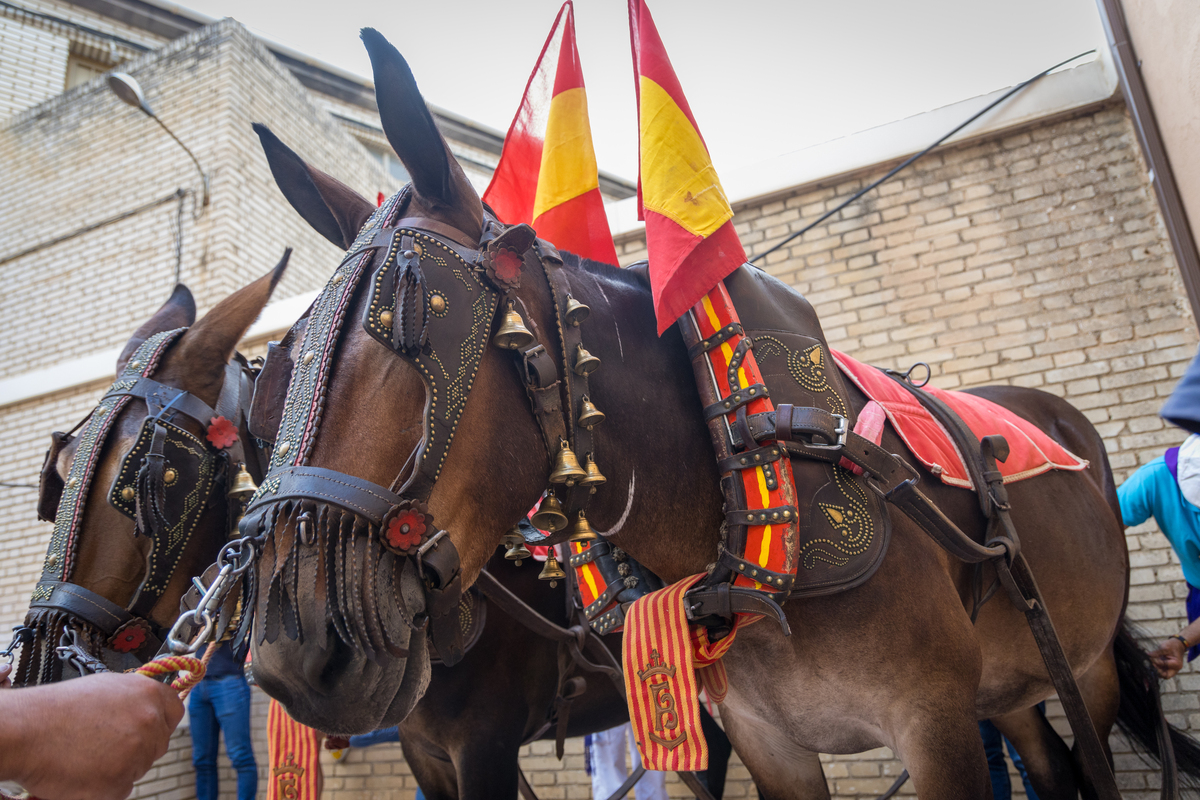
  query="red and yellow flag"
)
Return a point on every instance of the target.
[
  {"x": 294, "y": 752},
  {"x": 689, "y": 228},
  {"x": 550, "y": 139}
]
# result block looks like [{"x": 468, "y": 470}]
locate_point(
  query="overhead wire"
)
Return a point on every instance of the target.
[{"x": 916, "y": 157}]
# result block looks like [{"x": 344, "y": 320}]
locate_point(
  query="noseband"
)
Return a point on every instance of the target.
[
  {"x": 165, "y": 483},
  {"x": 434, "y": 294}
]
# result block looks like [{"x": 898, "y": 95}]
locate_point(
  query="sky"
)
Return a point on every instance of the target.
[{"x": 763, "y": 77}]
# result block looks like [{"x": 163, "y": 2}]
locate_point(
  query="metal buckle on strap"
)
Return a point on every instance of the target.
[
  {"x": 885, "y": 493},
  {"x": 843, "y": 427}
]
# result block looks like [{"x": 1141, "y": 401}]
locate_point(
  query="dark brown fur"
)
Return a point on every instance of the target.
[{"x": 893, "y": 662}]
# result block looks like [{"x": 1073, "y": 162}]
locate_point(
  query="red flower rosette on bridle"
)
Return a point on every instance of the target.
[
  {"x": 221, "y": 433},
  {"x": 130, "y": 637},
  {"x": 405, "y": 527},
  {"x": 503, "y": 266}
]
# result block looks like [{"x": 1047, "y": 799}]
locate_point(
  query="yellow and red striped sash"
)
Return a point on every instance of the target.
[{"x": 294, "y": 753}]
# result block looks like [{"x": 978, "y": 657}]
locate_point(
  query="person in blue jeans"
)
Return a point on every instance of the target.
[
  {"x": 221, "y": 703},
  {"x": 993, "y": 745}
]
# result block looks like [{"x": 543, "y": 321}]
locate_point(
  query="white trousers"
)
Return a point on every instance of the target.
[{"x": 607, "y": 754}]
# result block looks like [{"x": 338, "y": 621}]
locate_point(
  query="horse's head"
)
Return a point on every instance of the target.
[
  {"x": 139, "y": 497},
  {"x": 407, "y": 446}
]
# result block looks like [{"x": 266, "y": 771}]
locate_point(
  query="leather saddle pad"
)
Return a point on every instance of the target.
[
  {"x": 844, "y": 526},
  {"x": 1032, "y": 451}
]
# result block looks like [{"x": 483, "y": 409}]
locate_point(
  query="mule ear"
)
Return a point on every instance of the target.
[
  {"x": 178, "y": 312},
  {"x": 209, "y": 344},
  {"x": 335, "y": 211},
  {"x": 437, "y": 178}
]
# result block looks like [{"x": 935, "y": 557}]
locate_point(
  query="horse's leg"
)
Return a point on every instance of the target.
[
  {"x": 942, "y": 750},
  {"x": 433, "y": 769},
  {"x": 779, "y": 767},
  {"x": 1048, "y": 760},
  {"x": 487, "y": 767}
]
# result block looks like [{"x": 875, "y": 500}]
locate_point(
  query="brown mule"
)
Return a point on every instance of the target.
[
  {"x": 113, "y": 570},
  {"x": 895, "y": 661}
]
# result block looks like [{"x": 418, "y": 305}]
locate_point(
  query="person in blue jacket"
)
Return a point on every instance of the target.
[{"x": 1168, "y": 489}]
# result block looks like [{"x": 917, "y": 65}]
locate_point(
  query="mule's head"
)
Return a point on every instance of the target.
[
  {"x": 138, "y": 498},
  {"x": 407, "y": 446}
]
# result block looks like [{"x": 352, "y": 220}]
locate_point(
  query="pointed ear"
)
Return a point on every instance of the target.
[
  {"x": 438, "y": 180},
  {"x": 178, "y": 312},
  {"x": 209, "y": 344},
  {"x": 335, "y": 211}
]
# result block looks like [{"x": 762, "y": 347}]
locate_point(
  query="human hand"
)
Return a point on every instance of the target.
[
  {"x": 88, "y": 738},
  {"x": 1168, "y": 658},
  {"x": 5, "y": 673}
]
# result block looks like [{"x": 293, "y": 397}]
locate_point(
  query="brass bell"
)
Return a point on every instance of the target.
[
  {"x": 515, "y": 542},
  {"x": 552, "y": 571},
  {"x": 585, "y": 362},
  {"x": 593, "y": 477},
  {"x": 512, "y": 334},
  {"x": 589, "y": 415},
  {"x": 576, "y": 311},
  {"x": 243, "y": 485},
  {"x": 581, "y": 531},
  {"x": 566, "y": 466},
  {"x": 550, "y": 516}
]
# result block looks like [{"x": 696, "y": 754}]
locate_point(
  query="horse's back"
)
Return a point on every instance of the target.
[{"x": 1066, "y": 424}]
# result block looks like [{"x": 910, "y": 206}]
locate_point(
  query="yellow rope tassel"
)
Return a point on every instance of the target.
[{"x": 191, "y": 671}]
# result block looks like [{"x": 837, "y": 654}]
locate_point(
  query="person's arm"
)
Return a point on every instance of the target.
[
  {"x": 88, "y": 738},
  {"x": 1137, "y": 495},
  {"x": 1169, "y": 657}
]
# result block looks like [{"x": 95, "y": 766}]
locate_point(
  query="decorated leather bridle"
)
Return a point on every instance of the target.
[
  {"x": 167, "y": 480},
  {"x": 434, "y": 293}
]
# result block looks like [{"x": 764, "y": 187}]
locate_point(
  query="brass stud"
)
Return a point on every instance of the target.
[
  {"x": 52, "y": 561},
  {"x": 437, "y": 304},
  {"x": 74, "y": 482},
  {"x": 309, "y": 356},
  {"x": 127, "y": 494},
  {"x": 135, "y": 365},
  {"x": 385, "y": 319},
  {"x": 170, "y": 476},
  {"x": 409, "y": 254},
  {"x": 337, "y": 279},
  {"x": 283, "y": 448}
]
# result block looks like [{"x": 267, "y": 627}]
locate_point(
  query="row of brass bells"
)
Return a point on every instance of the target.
[
  {"x": 512, "y": 334},
  {"x": 566, "y": 466},
  {"x": 589, "y": 415},
  {"x": 549, "y": 516},
  {"x": 515, "y": 542},
  {"x": 593, "y": 478},
  {"x": 576, "y": 311},
  {"x": 552, "y": 571},
  {"x": 585, "y": 362},
  {"x": 243, "y": 485},
  {"x": 581, "y": 531}
]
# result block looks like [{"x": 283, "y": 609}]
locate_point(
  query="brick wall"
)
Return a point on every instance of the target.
[{"x": 1035, "y": 258}]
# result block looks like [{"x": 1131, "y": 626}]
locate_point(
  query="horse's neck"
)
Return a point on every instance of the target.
[{"x": 662, "y": 501}]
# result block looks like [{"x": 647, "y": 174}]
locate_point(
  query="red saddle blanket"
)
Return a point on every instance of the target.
[{"x": 1032, "y": 451}]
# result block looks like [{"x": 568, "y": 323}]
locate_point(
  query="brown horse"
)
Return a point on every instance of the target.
[
  {"x": 462, "y": 740},
  {"x": 119, "y": 594},
  {"x": 895, "y": 661}
]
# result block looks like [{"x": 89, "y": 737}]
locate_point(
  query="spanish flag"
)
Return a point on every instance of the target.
[
  {"x": 550, "y": 139},
  {"x": 689, "y": 229}
]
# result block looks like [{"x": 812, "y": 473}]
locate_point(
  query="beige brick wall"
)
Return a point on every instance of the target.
[{"x": 1036, "y": 258}]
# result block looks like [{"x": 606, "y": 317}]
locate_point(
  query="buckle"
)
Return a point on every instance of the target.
[{"x": 843, "y": 428}]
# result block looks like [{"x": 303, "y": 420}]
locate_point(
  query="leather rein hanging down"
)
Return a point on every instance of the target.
[{"x": 165, "y": 454}]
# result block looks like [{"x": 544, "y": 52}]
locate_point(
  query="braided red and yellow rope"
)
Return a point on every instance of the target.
[{"x": 191, "y": 671}]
